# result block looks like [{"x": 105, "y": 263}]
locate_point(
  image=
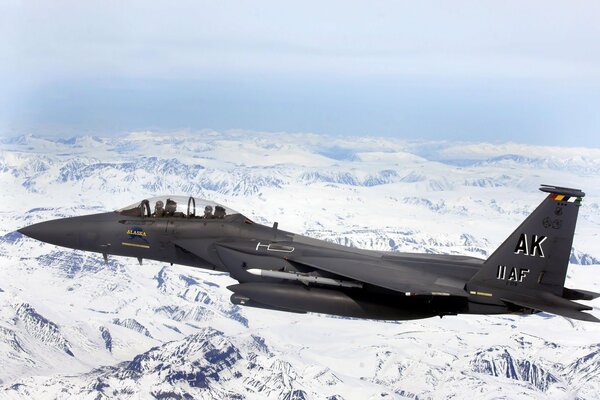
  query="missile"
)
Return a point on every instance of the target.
[{"x": 304, "y": 278}]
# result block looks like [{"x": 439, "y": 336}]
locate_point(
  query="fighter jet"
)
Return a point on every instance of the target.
[{"x": 279, "y": 270}]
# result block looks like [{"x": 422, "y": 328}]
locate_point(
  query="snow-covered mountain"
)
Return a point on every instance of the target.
[{"x": 71, "y": 326}]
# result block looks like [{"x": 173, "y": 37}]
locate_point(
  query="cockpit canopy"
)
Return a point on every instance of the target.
[{"x": 177, "y": 206}]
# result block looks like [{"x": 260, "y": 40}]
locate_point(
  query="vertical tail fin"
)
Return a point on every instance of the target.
[{"x": 536, "y": 255}]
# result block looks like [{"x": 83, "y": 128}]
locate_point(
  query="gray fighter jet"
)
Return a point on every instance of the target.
[{"x": 283, "y": 271}]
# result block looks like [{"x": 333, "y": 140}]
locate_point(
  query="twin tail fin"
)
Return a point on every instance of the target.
[{"x": 529, "y": 269}]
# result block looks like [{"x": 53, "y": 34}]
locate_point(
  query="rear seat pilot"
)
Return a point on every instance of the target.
[
  {"x": 208, "y": 212},
  {"x": 219, "y": 212},
  {"x": 170, "y": 208}
]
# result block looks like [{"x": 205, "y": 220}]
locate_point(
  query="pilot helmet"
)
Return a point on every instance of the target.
[
  {"x": 159, "y": 204},
  {"x": 208, "y": 209}
]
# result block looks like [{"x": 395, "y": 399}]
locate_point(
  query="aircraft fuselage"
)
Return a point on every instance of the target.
[{"x": 280, "y": 270}]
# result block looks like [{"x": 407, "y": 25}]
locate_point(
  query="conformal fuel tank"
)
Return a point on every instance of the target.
[{"x": 302, "y": 298}]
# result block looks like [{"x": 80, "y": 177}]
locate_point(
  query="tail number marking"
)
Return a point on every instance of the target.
[
  {"x": 531, "y": 247},
  {"x": 513, "y": 275}
]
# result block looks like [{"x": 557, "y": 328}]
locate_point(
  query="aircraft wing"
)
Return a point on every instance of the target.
[
  {"x": 555, "y": 305},
  {"x": 382, "y": 274},
  {"x": 359, "y": 267}
]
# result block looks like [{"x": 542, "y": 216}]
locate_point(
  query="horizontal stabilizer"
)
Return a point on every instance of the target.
[
  {"x": 579, "y": 294},
  {"x": 555, "y": 305}
]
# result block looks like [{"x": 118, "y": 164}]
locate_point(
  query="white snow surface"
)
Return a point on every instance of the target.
[{"x": 73, "y": 327}]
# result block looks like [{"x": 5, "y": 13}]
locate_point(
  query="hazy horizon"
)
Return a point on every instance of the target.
[{"x": 466, "y": 71}]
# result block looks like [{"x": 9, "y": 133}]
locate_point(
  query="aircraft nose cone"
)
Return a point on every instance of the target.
[
  {"x": 35, "y": 231},
  {"x": 58, "y": 232}
]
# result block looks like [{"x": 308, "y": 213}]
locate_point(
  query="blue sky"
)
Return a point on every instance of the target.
[{"x": 463, "y": 70}]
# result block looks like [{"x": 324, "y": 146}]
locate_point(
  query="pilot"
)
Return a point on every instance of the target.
[
  {"x": 170, "y": 208},
  {"x": 208, "y": 212},
  {"x": 159, "y": 210},
  {"x": 219, "y": 212}
]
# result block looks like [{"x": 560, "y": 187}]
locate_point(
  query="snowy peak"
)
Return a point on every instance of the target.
[{"x": 40, "y": 328}]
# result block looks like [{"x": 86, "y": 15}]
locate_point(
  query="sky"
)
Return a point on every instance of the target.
[{"x": 527, "y": 72}]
